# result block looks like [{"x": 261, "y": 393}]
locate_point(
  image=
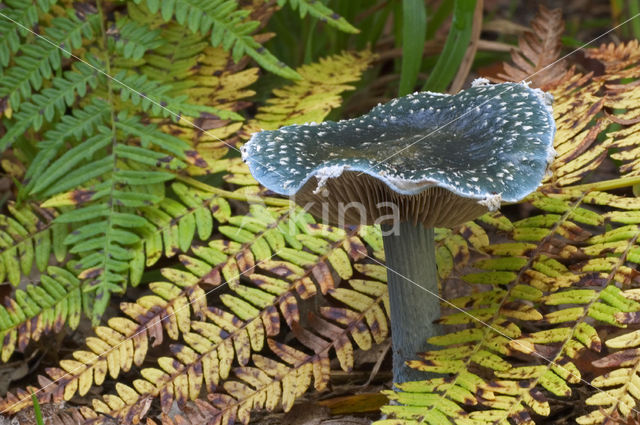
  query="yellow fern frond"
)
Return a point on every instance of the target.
[{"x": 312, "y": 98}]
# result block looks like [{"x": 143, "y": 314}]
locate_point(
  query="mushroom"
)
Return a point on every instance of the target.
[{"x": 421, "y": 161}]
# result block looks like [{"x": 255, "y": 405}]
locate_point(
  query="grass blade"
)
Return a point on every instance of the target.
[
  {"x": 634, "y": 9},
  {"x": 455, "y": 47},
  {"x": 414, "y": 28},
  {"x": 472, "y": 48},
  {"x": 437, "y": 18},
  {"x": 36, "y": 410}
]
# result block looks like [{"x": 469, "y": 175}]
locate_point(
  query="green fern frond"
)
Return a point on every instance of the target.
[
  {"x": 40, "y": 60},
  {"x": 227, "y": 25},
  {"x": 24, "y": 12},
  {"x": 176, "y": 60},
  {"x": 175, "y": 223},
  {"x": 50, "y": 101},
  {"x": 320, "y": 11},
  {"x": 156, "y": 99},
  {"x": 107, "y": 190},
  {"x": 133, "y": 39},
  {"x": 71, "y": 127}
]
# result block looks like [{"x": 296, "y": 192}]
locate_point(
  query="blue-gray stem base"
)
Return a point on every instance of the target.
[{"x": 411, "y": 261}]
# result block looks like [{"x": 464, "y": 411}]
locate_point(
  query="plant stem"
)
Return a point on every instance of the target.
[
  {"x": 411, "y": 262},
  {"x": 605, "y": 184}
]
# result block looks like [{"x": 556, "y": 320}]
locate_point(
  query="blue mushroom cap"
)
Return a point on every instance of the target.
[{"x": 485, "y": 144}]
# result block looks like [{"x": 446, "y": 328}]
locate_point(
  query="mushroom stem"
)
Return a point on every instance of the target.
[{"x": 411, "y": 261}]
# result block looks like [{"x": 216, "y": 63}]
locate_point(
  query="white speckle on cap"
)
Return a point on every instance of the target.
[
  {"x": 325, "y": 173},
  {"x": 479, "y": 82},
  {"x": 492, "y": 202}
]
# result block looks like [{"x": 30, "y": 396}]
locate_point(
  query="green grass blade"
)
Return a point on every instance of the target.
[
  {"x": 414, "y": 27},
  {"x": 455, "y": 47},
  {"x": 36, "y": 410},
  {"x": 438, "y": 17},
  {"x": 634, "y": 9},
  {"x": 373, "y": 26}
]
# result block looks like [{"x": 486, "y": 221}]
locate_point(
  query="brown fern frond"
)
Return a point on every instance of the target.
[
  {"x": 260, "y": 381},
  {"x": 211, "y": 346},
  {"x": 125, "y": 342},
  {"x": 616, "y": 57},
  {"x": 536, "y": 58}
]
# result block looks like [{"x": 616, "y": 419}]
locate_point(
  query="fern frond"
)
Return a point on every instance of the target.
[
  {"x": 25, "y": 13},
  {"x": 311, "y": 99},
  {"x": 620, "y": 385},
  {"x": 621, "y": 99},
  {"x": 174, "y": 224},
  {"x": 177, "y": 60},
  {"x": 28, "y": 236},
  {"x": 174, "y": 61},
  {"x": 320, "y": 11},
  {"x": 40, "y": 59},
  {"x": 133, "y": 39},
  {"x": 536, "y": 58},
  {"x": 579, "y": 119},
  {"x": 50, "y": 101},
  {"x": 541, "y": 293},
  {"x": 616, "y": 57},
  {"x": 71, "y": 127},
  {"x": 40, "y": 309},
  {"x": 218, "y": 83},
  {"x": 227, "y": 25},
  {"x": 268, "y": 383},
  {"x": 165, "y": 307},
  {"x": 158, "y": 102},
  {"x": 107, "y": 189},
  {"x": 282, "y": 258},
  {"x": 453, "y": 248}
]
